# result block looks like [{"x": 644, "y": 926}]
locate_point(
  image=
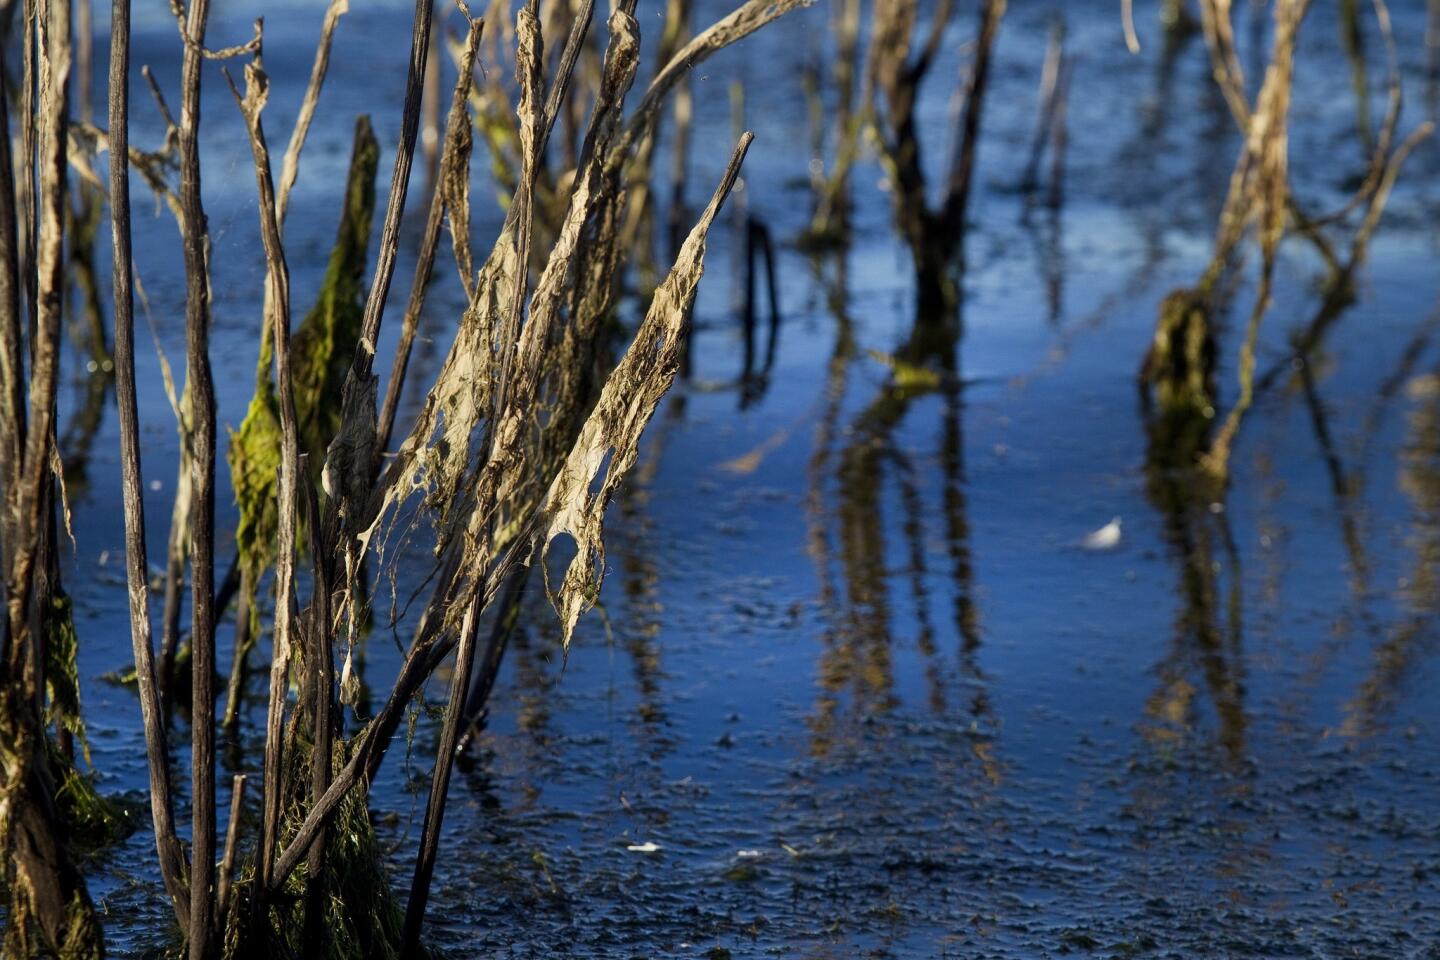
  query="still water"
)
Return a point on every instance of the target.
[{"x": 855, "y": 688}]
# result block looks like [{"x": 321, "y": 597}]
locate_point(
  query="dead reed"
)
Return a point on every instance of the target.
[
  {"x": 521, "y": 440},
  {"x": 1179, "y": 367}
]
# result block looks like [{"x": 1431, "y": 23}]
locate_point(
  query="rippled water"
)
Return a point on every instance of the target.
[{"x": 854, "y": 679}]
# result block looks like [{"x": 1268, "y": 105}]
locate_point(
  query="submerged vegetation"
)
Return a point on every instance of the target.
[{"x": 352, "y": 521}]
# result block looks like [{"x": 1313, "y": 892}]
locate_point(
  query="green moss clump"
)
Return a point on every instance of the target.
[
  {"x": 361, "y": 917},
  {"x": 321, "y": 352},
  {"x": 323, "y": 347},
  {"x": 1180, "y": 367},
  {"x": 92, "y": 821}
]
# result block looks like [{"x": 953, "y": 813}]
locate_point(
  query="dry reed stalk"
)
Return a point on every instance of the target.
[
  {"x": 676, "y": 210},
  {"x": 640, "y": 215},
  {"x": 27, "y": 150},
  {"x": 290, "y": 166},
  {"x": 248, "y": 562},
  {"x": 322, "y": 693},
  {"x": 12, "y": 337},
  {"x": 451, "y": 198},
  {"x": 200, "y": 386},
  {"x": 193, "y": 516},
  {"x": 935, "y": 236},
  {"x": 1224, "y": 60},
  {"x": 1259, "y": 194},
  {"x": 277, "y": 273},
  {"x": 430, "y": 113},
  {"x": 625, "y": 405},
  {"x": 595, "y": 199},
  {"x": 524, "y": 487},
  {"x": 399, "y": 186},
  {"x": 25, "y": 552},
  {"x": 171, "y": 856},
  {"x": 232, "y": 841}
]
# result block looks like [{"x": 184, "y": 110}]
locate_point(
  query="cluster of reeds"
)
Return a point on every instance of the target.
[
  {"x": 522, "y": 439},
  {"x": 1191, "y": 440},
  {"x": 1180, "y": 366}
]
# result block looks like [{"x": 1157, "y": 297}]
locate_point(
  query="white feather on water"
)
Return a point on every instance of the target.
[{"x": 1106, "y": 538}]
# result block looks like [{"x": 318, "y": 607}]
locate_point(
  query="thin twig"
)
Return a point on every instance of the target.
[
  {"x": 399, "y": 184},
  {"x": 277, "y": 275},
  {"x": 232, "y": 842},
  {"x": 440, "y": 784},
  {"x": 290, "y": 166}
]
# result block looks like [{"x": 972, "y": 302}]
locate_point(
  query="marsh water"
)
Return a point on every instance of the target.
[{"x": 855, "y": 687}]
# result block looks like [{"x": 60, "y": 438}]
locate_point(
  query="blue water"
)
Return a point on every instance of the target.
[{"x": 858, "y": 684}]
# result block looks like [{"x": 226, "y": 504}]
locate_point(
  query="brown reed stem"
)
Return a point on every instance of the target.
[
  {"x": 173, "y": 867},
  {"x": 322, "y": 680},
  {"x": 12, "y": 338},
  {"x": 201, "y": 387},
  {"x": 49, "y": 910},
  {"x": 232, "y": 843},
  {"x": 440, "y": 785},
  {"x": 399, "y": 185},
  {"x": 277, "y": 274},
  {"x": 455, "y": 151}
]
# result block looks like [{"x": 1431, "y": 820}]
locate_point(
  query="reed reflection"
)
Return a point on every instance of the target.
[
  {"x": 1206, "y": 657},
  {"x": 1411, "y": 637}
]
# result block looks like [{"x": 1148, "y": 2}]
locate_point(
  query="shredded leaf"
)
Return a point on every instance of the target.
[{"x": 610, "y": 438}]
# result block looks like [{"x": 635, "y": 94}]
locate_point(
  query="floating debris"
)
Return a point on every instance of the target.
[{"x": 1106, "y": 538}]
